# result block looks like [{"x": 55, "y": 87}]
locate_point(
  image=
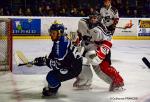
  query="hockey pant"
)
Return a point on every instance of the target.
[{"x": 55, "y": 77}]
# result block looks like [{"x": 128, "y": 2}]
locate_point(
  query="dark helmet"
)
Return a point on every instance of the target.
[
  {"x": 94, "y": 14},
  {"x": 57, "y": 26}
]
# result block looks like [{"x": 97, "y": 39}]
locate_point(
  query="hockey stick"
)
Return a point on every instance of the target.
[
  {"x": 124, "y": 27},
  {"x": 120, "y": 27},
  {"x": 146, "y": 62},
  {"x": 27, "y": 64},
  {"x": 23, "y": 59}
]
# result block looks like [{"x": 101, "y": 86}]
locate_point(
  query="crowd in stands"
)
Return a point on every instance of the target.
[{"x": 126, "y": 8}]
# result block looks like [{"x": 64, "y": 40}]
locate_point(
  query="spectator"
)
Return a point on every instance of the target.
[
  {"x": 62, "y": 12},
  {"x": 1, "y": 12},
  {"x": 135, "y": 8},
  {"x": 40, "y": 11},
  {"x": 74, "y": 12},
  {"x": 20, "y": 12},
  {"x": 47, "y": 9},
  {"x": 92, "y": 11},
  {"x": 82, "y": 14},
  {"x": 28, "y": 12}
]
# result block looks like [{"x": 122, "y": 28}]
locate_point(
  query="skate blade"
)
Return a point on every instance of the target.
[
  {"x": 83, "y": 87},
  {"x": 54, "y": 96},
  {"x": 117, "y": 89}
]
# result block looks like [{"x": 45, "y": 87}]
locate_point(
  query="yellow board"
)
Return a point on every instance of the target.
[{"x": 114, "y": 37}]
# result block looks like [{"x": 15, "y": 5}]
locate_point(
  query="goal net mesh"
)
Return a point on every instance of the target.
[{"x": 5, "y": 45}]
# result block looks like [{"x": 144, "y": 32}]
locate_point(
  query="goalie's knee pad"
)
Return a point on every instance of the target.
[
  {"x": 93, "y": 58},
  {"x": 104, "y": 49}
]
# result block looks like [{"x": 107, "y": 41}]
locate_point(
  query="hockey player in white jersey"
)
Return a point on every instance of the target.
[
  {"x": 109, "y": 15},
  {"x": 96, "y": 40}
]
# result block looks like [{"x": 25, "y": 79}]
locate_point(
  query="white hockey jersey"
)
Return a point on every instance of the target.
[{"x": 109, "y": 15}]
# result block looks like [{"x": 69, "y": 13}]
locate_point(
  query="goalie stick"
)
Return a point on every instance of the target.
[
  {"x": 23, "y": 58},
  {"x": 146, "y": 62}
]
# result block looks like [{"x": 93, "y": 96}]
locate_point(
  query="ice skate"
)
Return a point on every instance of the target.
[
  {"x": 84, "y": 87},
  {"x": 116, "y": 85},
  {"x": 46, "y": 92},
  {"x": 75, "y": 84},
  {"x": 79, "y": 85}
]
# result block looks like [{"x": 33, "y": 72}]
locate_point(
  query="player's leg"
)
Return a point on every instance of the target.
[
  {"x": 110, "y": 75},
  {"x": 53, "y": 83},
  {"x": 106, "y": 72}
]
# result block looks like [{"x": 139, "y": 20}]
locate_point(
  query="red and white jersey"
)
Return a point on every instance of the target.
[{"x": 109, "y": 15}]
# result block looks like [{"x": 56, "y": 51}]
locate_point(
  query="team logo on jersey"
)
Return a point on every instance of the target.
[
  {"x": 63, "y": 71},
  {"x": 104, "y": 49}
]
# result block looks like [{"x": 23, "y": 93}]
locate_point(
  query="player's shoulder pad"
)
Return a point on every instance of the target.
[{"x": 114, "y": 10}]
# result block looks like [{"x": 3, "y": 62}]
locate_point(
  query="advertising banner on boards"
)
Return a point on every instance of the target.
[
  {"x": 126, "y": 27},
  {"x": 26, "y": 26},
  {"x": 143, "y": 27}
]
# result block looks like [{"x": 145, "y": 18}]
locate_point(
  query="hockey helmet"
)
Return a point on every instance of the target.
[
  {"x": 57, "y": 26},
  {"x": 94, "y": 14}
]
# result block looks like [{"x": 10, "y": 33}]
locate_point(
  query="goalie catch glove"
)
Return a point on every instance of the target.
[
  {"x": 86, "y": 39},
  {"x": 40, "y": 61}
]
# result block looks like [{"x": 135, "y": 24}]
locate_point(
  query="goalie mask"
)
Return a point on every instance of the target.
[{"x": 93, "y": 17}]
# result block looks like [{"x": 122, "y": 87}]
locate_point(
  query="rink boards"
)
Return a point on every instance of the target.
[{"x": 37, "y": 27}]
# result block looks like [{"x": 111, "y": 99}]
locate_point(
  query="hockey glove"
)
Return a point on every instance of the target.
[
  {"x": 40, "y": 61},
  {"x": 53, "y": 64},
  {"x": 86, "y": 39},
  {"x": 115, "y": 21}
]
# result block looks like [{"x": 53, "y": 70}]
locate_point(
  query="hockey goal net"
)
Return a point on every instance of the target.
[{"x": 5, "y": 45}]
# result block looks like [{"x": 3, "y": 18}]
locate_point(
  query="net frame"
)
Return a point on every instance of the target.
[{"x": 6, "y": 65}]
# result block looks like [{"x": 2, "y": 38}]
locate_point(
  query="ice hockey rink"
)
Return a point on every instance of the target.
[{"x": 25, "y": 84}]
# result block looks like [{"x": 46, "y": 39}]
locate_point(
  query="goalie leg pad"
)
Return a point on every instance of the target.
[
  {"x": 102, "y": 75},
  {"x": 85, "y": 77},
  {"x": 112, "y": 73}
]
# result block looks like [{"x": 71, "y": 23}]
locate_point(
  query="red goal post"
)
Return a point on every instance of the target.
[{"x": 5, "y": 44}]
